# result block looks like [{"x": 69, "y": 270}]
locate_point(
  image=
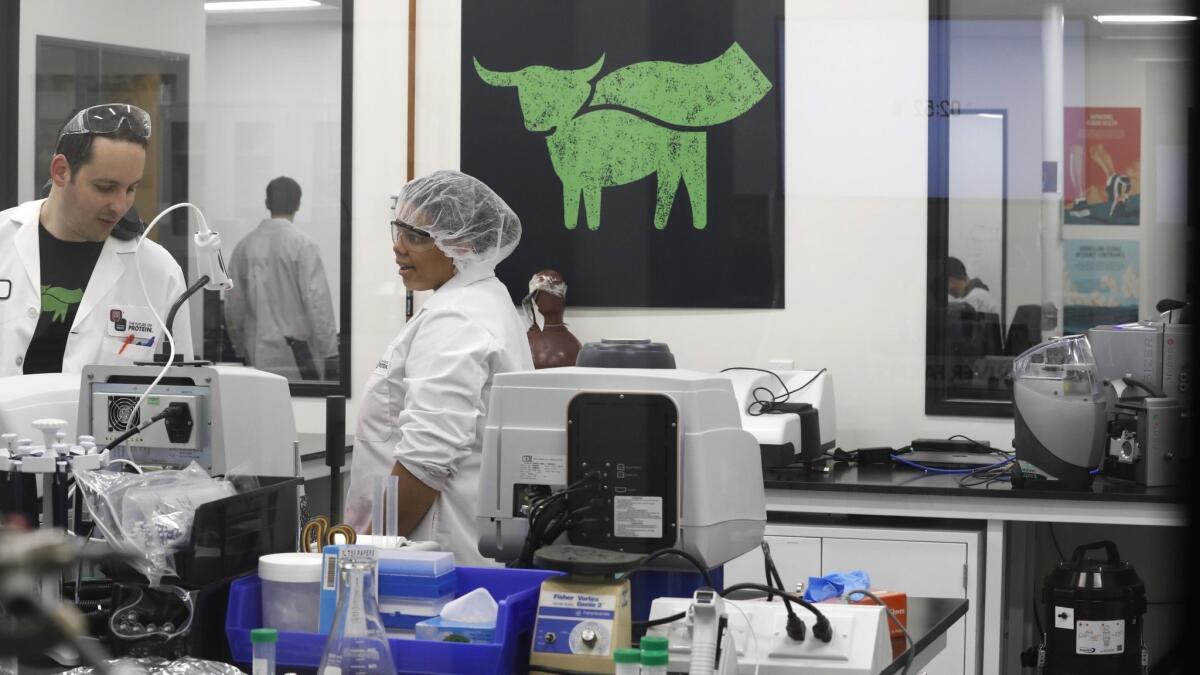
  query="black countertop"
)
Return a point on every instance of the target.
[
  {"x": 928, "y": 618},
  {"x": 894, "y": 479}
]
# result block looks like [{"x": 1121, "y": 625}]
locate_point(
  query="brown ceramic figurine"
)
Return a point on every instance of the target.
[{"x": 552, "y": 344}]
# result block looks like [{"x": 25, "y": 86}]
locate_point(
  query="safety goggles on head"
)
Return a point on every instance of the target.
[
  {"x": 107, "y": 118},
  {"x": 413, "y": 237}
]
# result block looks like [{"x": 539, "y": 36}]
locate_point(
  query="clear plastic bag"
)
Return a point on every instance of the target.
[
  {"x": 149, "y": 515},
  {"x": 154, "y": 665}
]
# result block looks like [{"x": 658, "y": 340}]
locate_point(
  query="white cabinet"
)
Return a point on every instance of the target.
[{"x": 935, "y": 563}]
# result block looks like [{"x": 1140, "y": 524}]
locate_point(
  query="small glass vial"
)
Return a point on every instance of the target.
[
  {"x": 264, "y": 640},
  {"x": 654, "y": 663},
  {"x": 627, "y": 660}
]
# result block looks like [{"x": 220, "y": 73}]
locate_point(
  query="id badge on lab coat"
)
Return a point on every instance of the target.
[{"x": 133, "y": 325}]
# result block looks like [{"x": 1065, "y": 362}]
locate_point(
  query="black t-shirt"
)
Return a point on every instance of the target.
[{"x": 66, "y": 267}]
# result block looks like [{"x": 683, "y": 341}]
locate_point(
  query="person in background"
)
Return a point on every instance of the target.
[
  {"x": 279, "y": 314},
  {"x": 964, "y": 289},
  {"x": 423, "y": 408},
  {"x": 69, "y": 289}
]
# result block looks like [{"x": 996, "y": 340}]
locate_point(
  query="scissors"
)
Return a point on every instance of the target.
[{"x": 319, "y": 533}]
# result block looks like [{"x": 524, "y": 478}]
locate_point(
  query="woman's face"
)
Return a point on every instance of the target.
[{"x": 423, "y": 266}]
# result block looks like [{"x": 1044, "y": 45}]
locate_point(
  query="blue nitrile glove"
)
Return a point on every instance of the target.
[{"x": 835, "y": 585}]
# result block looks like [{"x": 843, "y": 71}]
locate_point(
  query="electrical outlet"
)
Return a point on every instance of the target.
[{"x": 781, "y": 364}]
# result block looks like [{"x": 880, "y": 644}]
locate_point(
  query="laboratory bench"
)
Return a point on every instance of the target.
[
  {"x": 927, "y": 535},
  {"x": 928, "y": 621}
]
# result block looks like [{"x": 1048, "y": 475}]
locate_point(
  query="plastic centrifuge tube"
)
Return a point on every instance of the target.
[
  {"x": 654, "y": 663},
  {"x": 358, "y": 643},
  {"x": 264, "y": 650}
]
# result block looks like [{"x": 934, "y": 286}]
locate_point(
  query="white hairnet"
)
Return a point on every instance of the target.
[{"x": 469, "y": 222}]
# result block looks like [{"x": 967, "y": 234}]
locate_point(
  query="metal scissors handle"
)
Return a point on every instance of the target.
[{"x": 318, "y": 533}]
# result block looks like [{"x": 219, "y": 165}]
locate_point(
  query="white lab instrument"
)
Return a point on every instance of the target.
[
  {"x": 758, "y": 631},
  {"x": 793, "y": 416},
  {"x": 238, "y": 420},
  {"x": 25, "y": 398},
  {"x": 658, "y": 458}
]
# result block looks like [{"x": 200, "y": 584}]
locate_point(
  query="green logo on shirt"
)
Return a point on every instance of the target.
[{"x": 59, "y": 300}]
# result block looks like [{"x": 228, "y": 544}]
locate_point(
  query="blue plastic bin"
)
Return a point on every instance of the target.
[{"x": 515, "y": 591}]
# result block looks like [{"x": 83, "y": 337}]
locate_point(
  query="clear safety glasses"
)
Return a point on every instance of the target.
[
  {"x": 413, "y": 237},
  {"x": 107, "y": 118}
]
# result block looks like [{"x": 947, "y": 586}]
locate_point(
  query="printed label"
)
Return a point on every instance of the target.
[
  {"x": 543, "y": 469},
  {"x": 136, "y": 321},
  {"x": 1100, "y": 637},
  {"x": 1064, "y": 617},
  {"x": 639, "y": 517},
  {"x": 574, "y": 623}
]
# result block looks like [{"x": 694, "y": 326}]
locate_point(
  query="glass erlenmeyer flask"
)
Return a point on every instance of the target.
[{"x": 358, "y": 643}]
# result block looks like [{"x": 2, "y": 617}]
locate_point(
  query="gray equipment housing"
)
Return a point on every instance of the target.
[{"x": 242, "y": 420}]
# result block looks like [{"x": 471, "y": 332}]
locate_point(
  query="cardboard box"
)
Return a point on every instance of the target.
[{"x": 895, "y": 601}]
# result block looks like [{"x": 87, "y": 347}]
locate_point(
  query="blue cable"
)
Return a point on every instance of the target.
[{"x": 930, "y": 469}]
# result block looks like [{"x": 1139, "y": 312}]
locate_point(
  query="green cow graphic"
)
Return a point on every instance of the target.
[
  {"x": 59, "y": 300},
  {"x": 639, "y": 120}
]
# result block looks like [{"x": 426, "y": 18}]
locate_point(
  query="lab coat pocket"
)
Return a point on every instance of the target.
[{"x": 376, "y": 421}]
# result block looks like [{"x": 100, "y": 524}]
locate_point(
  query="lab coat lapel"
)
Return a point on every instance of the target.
[
  {"x": 28, "y": 251},
  {"x": 114, "y": 258}
]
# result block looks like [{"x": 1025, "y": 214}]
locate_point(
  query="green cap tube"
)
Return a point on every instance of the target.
[
  {"x": 653, "y": 643},
  {"x": 627, "y": 655}
]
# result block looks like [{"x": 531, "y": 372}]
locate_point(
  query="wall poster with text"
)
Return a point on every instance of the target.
[
  {"x": 1101, "y": 283},
  {"x": 640, "y": 143},
  {"x": 1102, "y": 166}
]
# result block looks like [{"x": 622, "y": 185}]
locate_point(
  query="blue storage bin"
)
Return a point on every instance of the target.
[{"x": 516, "y": 593}]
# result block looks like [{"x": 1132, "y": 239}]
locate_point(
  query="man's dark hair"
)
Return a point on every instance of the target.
[
  {"x": 283, "y": 196},
  {"x": 955, "y": 269},
  {"x": 77, "y": 148}
]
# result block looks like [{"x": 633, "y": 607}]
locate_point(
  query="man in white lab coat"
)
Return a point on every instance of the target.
[
  {"x": 69, "y": 289},
  {"x": 423, "y": 409},
  {"x": 279, "y": 314}
]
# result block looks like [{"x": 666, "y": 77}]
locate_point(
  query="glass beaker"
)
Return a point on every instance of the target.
[{"x": 358, "y": 643}]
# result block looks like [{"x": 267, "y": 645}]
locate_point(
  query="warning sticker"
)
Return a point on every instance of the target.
[
  {"x": 1100, "y": 637},
  {"x": 543, "y": 469},
  {"x": 639, "y": 517}
]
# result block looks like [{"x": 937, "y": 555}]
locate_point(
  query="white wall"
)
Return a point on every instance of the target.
[
  {"x": 856, "y": 212},
  {"x": 273, "y": 107},
  {"x": 176, "y": 26}
]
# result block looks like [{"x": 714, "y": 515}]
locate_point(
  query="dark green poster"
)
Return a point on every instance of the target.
[{"x": 640, "y": 142}]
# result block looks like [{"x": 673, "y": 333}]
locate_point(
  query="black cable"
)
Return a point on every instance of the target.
[
  {"x": 708, "y": 580},
  {"x": 986, "y": 447},
  {"x": 1142, "y": 385},
  {"x": 166, "y": 412},
  {"x": 795, "y": 626},
  {"x": 891, "y": 615},
  {"x": 822, "y": 630},
  {"x": 764, "y": 405},
  {"x": 537, "y": 531},
  {"x": 1058, "y": 548},
  {"x": 650, "y": 623},
  {"x": 183, "y": 298}
]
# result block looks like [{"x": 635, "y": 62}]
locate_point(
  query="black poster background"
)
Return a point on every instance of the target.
[{"x": 737, "y": 261}]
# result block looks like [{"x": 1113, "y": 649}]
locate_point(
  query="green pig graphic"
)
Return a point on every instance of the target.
[{"x": 641, "y": 119}]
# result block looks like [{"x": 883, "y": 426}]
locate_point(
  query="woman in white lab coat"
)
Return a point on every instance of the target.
[{"x": 424, "y": 407}]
